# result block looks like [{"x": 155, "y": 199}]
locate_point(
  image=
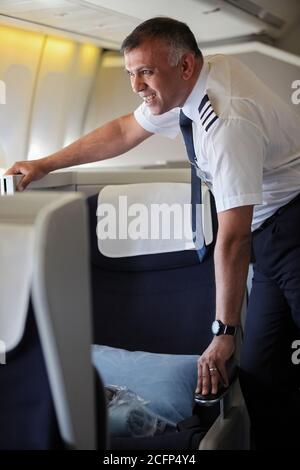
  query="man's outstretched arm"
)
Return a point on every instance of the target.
[{"x": 113, "y": 139}]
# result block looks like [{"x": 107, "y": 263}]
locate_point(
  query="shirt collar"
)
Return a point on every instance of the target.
[{"x": 190, "y": 107}]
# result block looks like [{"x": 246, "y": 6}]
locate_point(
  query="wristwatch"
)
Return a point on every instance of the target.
[{"x": 218, "y": 328}]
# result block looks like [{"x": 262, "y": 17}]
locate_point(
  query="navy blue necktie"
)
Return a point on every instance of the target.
[{"x": 187, "y": 132}]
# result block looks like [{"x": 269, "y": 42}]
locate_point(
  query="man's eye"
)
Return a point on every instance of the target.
[{"x": 142, "y": 72}]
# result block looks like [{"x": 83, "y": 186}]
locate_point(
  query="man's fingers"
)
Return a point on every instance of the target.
[
  {"x": 199, "y": 379},
  {"x": 210, "y": 378},
  {"x": 23, "y": 183},
  {"x": 21, "y": 169},
  {"x": 203, "y": 377},
  {"x": 214, "y": 378},
  {"x": 20, "y": 185},
  {"x": 205, "y": 380},
  {"x": 16, "y": 169}
]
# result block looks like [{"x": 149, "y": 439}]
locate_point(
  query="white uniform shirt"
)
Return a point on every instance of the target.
[{"x": 247, "y": 141}]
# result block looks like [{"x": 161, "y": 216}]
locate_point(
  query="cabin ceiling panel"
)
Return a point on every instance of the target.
[
  {"x": 78, "y": 17},
  {"x": 109, "y": 21}
]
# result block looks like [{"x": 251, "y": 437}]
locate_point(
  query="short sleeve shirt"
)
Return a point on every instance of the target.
[{"x": 247, "y": 141}]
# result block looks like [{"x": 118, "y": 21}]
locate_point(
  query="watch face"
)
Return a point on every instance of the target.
[{"x": 215, "y": 327}]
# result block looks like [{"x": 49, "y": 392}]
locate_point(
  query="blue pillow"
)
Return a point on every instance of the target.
[{"x": 166, "y": 381}]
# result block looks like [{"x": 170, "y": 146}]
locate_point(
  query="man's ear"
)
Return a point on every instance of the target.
[{"x": 187, "y": 65}]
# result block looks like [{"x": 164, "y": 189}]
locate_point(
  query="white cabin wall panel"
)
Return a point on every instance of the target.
[
  {"x": 52, "y": 98},
  {"x": 113, "y": 97},
  {"x": 20, "y": 53},
  {"x": 82, "y": 83},
  {"x": 63, "y": 89}
]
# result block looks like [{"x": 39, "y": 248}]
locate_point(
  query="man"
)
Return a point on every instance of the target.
[{"x": 246, "y": 145}]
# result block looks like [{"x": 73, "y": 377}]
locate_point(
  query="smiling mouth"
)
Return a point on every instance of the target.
[{"x": 149, "y": 99}]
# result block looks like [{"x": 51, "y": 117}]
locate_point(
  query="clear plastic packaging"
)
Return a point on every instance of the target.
[{"x": 129, "y": 415}]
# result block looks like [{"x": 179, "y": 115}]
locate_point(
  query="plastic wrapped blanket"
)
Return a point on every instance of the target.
[{"x": 129, "y": 416}]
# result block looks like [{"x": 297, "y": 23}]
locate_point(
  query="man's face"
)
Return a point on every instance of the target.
[{"x": 158, "y": 83}]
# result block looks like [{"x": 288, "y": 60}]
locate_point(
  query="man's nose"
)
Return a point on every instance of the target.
[{"x": 137, "y": 83}]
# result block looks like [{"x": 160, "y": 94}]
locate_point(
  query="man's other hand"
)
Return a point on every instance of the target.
[
  {"x": 212, "y": 365},
  {"x": 30, "y": 169}
]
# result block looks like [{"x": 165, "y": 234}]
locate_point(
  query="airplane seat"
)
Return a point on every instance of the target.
[
  {"x": 27, "y": 413},
  {"x": 163, "y": 303},
  {"x": 48, "y": 385}
]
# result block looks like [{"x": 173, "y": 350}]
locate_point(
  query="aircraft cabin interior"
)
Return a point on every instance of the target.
[{"x": 105, "y": 307}]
